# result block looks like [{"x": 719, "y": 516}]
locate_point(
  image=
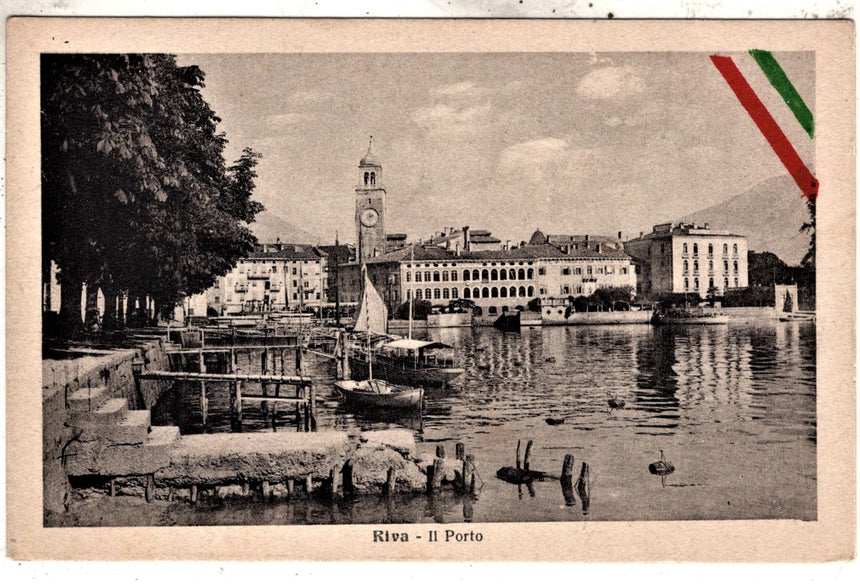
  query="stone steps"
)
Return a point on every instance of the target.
[
  {"x": 132, "y": 429},
  {"x": 102, "y": 458},
  {"x": 88, "y": 399},
  {"x": 111, "y": 412}
]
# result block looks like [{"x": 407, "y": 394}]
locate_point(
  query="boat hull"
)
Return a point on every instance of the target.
[
  {"x": 357, "y": 394},
  {"x": 399, "y": 373}
]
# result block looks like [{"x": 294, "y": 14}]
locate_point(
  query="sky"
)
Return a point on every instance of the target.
[{"x": 509, "y": 142}]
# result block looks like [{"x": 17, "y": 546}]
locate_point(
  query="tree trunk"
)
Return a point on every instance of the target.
[
  {"x": 91, "y": 313},
  {"x": 121, "y": 310},
  {"x": 70, "y": 307},
  {"x": 109, "y": 321}
]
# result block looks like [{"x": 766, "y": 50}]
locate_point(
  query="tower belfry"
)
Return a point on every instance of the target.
[{"x": 370, "y": 207}]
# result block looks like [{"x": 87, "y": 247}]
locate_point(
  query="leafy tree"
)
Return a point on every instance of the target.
[
  {"x": 420, "y": 310},
  {"x": 136, "y": 196},
  {"x": 809, "y": 227}
]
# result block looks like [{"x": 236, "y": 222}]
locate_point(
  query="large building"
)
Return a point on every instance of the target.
[
  {"x": 370, "y": 208},
  {"x": 275, "y": 276},
  {"x": 689, "y": 258}
]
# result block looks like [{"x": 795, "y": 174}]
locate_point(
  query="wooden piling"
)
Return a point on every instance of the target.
[
  {"x": 265, "y": 491},
  {"x": 204, "y": 410},
  {"x": 193, "y": 493},
  {"x": 460, "y": 451},
  {"x": 334, "y": 481},
  {"x": 567, "y": 481},
  {"x": 468, "y": 510},
  {"x": 437, "y": 473},
  {"x": 299, "y": 395},
  {"x": 309, "y": 484},
  {"x": 275, "y": 417},
  {"x": 391, "y": 481},
  {"x": 519, "y": 461},
  {"x": 291, "y": 487},
  {"x": 149, "y": 493},
  {"x": 583, "y": 487},
  {"x": 312, "y": 399},
  {"x": 528, "y": 455},
  {"x": 469, "y": 467},
  {"x": 440, "y": 451},
  {"x": 431, "y": 470},
  {"x": 567, "y": 467},
  {"x": 113, "y": 487}
]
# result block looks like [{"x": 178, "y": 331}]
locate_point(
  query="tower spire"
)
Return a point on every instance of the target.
[{"x": 370, "y": 145}]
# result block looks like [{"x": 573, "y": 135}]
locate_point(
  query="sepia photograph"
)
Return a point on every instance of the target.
[{"x": 428, "y": 291}]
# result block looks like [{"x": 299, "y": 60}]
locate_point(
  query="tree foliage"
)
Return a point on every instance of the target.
[{"x": 136, "y": 196}]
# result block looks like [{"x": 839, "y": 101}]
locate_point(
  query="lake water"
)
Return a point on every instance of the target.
[{"x": 732, "y": 407}]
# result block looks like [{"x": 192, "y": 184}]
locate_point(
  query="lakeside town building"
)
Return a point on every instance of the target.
[
  {"x": 275, "y": 276},
  {"x": 689, "y": 258}
]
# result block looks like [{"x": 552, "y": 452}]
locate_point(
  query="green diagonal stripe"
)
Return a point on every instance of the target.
[{"x": 782, "y": 84}]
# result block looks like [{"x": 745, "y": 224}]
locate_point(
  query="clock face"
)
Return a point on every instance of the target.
[{"x": 369, "y": 217}]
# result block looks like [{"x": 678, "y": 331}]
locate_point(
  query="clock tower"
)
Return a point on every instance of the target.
[{"x": 370, "y": 207}]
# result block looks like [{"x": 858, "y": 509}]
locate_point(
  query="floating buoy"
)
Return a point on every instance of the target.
[
  {"x": 616, "y": 402},
  {"x": 662, "y": 468},
  {"x": 554, "y": 421}
]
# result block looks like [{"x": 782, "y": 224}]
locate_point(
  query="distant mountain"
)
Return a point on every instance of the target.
[
  {"x": 270, "y": 227},
  {"x": 769, "y": 214}
]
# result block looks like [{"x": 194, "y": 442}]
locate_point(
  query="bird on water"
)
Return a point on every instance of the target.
[{"x": 615, "y": 401}]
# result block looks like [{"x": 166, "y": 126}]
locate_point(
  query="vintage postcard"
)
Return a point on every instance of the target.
[{"x": 430, "y": 290}]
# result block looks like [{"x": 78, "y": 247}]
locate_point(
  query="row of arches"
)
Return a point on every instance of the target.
[
  {"x": 472, "y": 293},
  {"x": 710, "y": 266},
  {"x": 484, "y": 275}
]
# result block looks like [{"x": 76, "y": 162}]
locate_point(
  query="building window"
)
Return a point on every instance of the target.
[
  {"x": 409, "y": 295},
  {"x": 512, "y": 274},
  {"x": 736, "y": 265},
  {"x": 725, "y": 265},
  {"x": 446, "y": 294},
  {"x": 726, "y": 250},
  {"x": 710, "y": 265},
  {"x": 522, "y": 291},
  {"x": 455, "y": 293},
  {"x": 491, "y": 310},
  {"x": 465, "y": 275},
  {"x": 696, "y": 283},
  {"x": 427, "y": 277},
  {"x": 485, "y": 275},
  {"x": 686, "y": 283},
  {"x": 476, "y": 275},
  {"x": 579, "y": 289},
  {"x": 685, "y": 248},
  {"x": 418, "y": 294},
  {"x": 695, "y": 249},
  {"x": 408, "y": 276},
  {"x": 588, "y": 270},
  {"x": 503, "y": 292},
  {"x": 736, "y": 282},
  {"x": 725, "y": 283},
  {"x": 485, "y": 293},
  {"x": 512, "y": 292},
  {"x": 466, "y": 293},
  {"x": 599, "y": 269},
  {"x": 735, "y": 249},
  {"x": 435, "y": 277},
  {"x": 565, "y": 290},
  {"x": 494, "y": 292},
  {"x": 531, "y": 274},
  {"x": 695, "y": 266},
  {"x": 417, "y": 276},
  {"x": 710, "y": 283},
  {"x": 476, "y": 293},
  {"x": 686, "y": 266},
  {"x": 295, "y": 296},
  {"x": 503, "y": 274},
  {"x": 531, "y": 291},
  {"x": 710, "y": 249},
  {"x": 564, "y": 271},
  {"x": 577, "y": 271},
  {"x": 294, "y": 271},
  {"x": 453, "y": 275},
  {"x": 521, "y": 274},
  {"x": 427, "y": 294},
  {"x": 624, "y": 270}
]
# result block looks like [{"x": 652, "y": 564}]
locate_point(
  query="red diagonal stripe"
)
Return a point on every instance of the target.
[{"x": 768, "y": 126}]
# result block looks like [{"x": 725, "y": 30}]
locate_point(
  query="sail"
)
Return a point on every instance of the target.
[{"x": 372, "y": 315}]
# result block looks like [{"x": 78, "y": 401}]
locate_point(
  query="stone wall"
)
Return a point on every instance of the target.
[{"x": 87, "y": 368}]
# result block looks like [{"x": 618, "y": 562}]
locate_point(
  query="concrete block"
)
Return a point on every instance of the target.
[
  {"x": 111, "y": 412},
  {"x": 105, "y": 459},
  {"x": 219, "y": 459},
  {"x": 88, "y": 399},
  {"x": 398, "y": 439},
  {"x": 133, "y": 429}
]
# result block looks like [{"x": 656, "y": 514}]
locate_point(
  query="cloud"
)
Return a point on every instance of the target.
[
  {"x": 462, "y": 89},
  {"x": 310, "y": 96},
  {"x": 447, "y": 119},
  {"x": 610, "y": 82},
  {"x": 289, "y": 118},
  {"x": 535, "y": 153}
]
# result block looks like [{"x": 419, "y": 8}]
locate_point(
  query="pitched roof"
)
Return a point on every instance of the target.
[{"x": 424, "y": 253}]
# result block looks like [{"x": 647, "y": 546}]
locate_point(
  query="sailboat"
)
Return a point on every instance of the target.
[
  {"x": 406, "y": 361},
  {"x": 370, "y": 392}
]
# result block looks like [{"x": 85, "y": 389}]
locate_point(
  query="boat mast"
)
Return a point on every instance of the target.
[
  {"x": 367, "y": 324},
  {"x": 411, "y": 284}
]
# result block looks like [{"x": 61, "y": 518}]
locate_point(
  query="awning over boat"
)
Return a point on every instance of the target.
[{"x": 415, "y": 344}]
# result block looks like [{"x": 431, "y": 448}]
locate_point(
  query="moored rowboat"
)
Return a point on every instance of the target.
[{"x": 378, "y": 393}]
